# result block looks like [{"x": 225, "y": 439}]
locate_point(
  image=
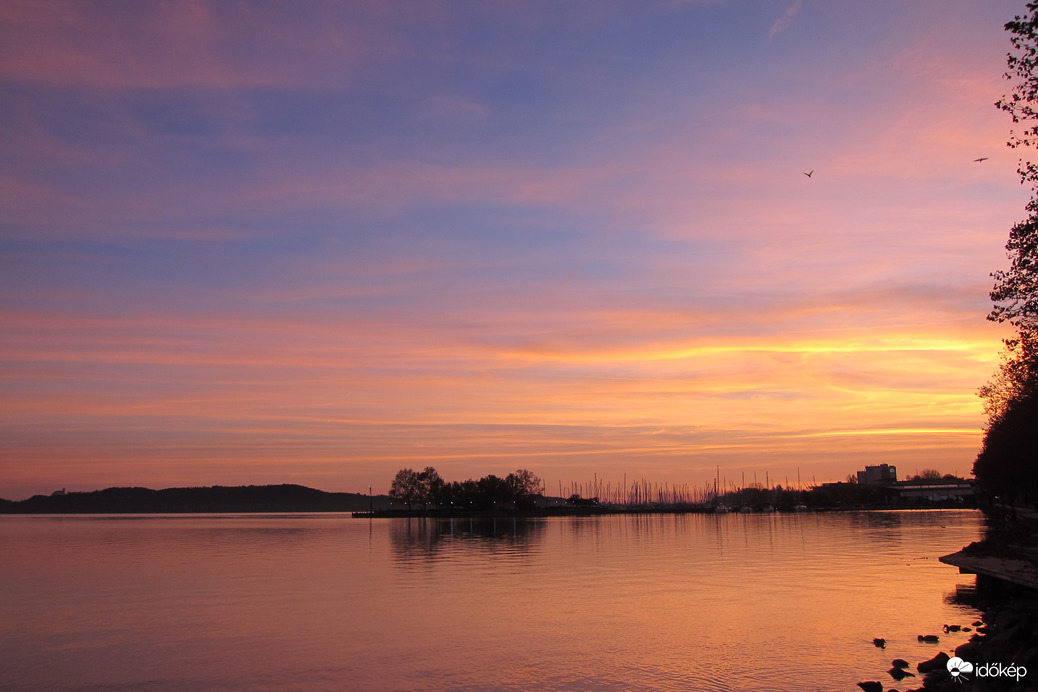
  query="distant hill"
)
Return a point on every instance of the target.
[{"x": 215, "y": 499}]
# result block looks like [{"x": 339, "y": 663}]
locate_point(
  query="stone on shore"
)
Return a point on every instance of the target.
[
  {"x": 937, "y": 679},
  {"x": 938, "y": 662},
  {"x": 970, "y": 651}
]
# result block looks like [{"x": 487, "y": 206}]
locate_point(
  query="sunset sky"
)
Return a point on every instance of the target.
[{"x": 316, "y": 242}]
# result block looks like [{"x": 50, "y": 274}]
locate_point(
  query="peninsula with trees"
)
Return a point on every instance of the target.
[
  {"x": 201, "y": 500},
  {"x": 520, "y": 493}
]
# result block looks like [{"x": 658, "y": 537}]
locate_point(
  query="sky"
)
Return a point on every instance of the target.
[{"x": 317, "y": 242}]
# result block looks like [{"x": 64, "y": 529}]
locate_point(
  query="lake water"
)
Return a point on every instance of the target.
[{"x": 327, "y": 602}]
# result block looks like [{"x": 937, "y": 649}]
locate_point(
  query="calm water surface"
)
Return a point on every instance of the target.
[{"x": 327, "y": 602}]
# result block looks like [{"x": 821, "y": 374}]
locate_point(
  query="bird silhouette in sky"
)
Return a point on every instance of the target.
[
  {"x": 811, "y": 173},
  {"x": 982, "y": 158}
]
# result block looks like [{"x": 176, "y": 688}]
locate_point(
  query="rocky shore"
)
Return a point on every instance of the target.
[{"x": 1002, "y": 651}]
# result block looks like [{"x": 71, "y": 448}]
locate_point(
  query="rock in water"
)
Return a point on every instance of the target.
[
  {"x": 899, "y": 663},
  {"x": 871, "y": 686},
  {"x": 938, "y": 662},
  {"x": 900, "y": 674},
  {"x": 879, "y": 642}
]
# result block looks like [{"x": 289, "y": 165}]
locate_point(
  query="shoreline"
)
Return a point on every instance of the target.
[
  {"x": 640, "y": 509},
  {"x": 1002, "y": 651},
  {"x": 305, "y": 508},
  {"x": 296, "y": 498}
]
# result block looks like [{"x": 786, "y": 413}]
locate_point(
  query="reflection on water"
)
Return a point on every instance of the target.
[
  {"x": 302, "y": 602},
  {"x": 428, "y": 538},
  {"x": 963, "y": 595}
]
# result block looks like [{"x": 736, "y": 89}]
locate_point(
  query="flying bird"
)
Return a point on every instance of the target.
[
  {"x": 982, "y": 158},
  {"x": 811, "y": 173}
]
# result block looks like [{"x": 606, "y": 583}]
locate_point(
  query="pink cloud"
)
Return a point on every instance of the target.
[{"x": 171, "y": 44}]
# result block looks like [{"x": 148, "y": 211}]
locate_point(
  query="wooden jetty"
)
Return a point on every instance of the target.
[{"x": 1012, "y": 558}]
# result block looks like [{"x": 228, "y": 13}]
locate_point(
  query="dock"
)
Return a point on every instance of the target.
[
  {"x": 1015, "y": 570},
  {"x": 1011, "y": 558}
]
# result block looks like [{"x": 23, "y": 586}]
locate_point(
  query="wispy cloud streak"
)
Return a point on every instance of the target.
[{"x": 783, "y": 22}]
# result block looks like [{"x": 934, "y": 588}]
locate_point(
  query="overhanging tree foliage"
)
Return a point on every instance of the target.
[
  {"x": 1008, "y": 461},
  {"x": 1015, "y": 380},
  {"x": 1015, "y": 294}
]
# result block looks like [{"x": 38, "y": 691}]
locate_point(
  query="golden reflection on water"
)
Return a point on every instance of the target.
[{"x": 275, "y": 602}]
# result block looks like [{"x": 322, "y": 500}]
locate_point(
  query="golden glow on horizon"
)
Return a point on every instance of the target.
[
  {"x": 972, "y": 432},
  {"x": 899, "y": 343}
]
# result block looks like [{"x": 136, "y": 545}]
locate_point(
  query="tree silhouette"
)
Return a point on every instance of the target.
[
  {"x": 1007, "y": 464},
  {"x": 1015, "y": 294},
  {"x": 430, "y": 485},
  {"x": 1022, "y": 62},
  {"x": 406, "y": 487},
  {"x": 525, "y": 486},
  {"x": 518, "y": 490}
]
